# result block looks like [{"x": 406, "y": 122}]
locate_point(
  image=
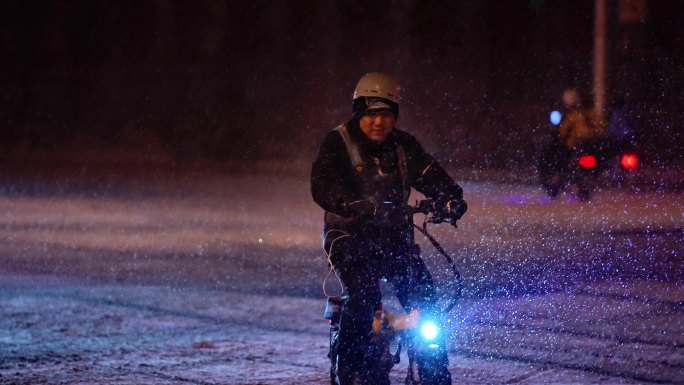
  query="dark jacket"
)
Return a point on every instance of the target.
[{"x": 335, "y": 182}]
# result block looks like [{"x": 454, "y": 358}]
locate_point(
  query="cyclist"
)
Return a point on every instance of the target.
[
  {"x": 577, "y": 129},
  {"x": 362, "y": 178}
]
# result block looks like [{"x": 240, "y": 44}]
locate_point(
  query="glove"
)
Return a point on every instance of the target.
[
  {"x": 456, "y": 209},
  {"x": 361, "y": 209}
]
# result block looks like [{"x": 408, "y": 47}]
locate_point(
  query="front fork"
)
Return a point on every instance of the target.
[{"x": 428, "y": 363}]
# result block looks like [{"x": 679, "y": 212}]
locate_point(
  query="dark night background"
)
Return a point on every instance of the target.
[{"x": 248, "y": 79}]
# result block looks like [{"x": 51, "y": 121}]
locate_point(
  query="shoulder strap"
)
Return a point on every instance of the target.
[{"x": 352, "y": 148}]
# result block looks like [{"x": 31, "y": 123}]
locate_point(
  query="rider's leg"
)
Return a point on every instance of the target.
[
  {"x": 357, "y": 354},
  {"x": 412, "y": 281}
]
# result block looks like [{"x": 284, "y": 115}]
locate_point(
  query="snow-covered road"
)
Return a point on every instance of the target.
[
  {"x": 214, "y": 278},
  {"x": 58, "y": 331}
]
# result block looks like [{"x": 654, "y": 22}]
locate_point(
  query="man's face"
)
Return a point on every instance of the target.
[{"x": 377, "y": 125}]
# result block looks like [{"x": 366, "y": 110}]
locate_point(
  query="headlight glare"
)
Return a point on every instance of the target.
[{"x": 429, "y": 331}]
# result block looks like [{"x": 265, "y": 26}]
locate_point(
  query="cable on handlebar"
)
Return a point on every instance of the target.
[
  {"x": 421, "y": 207},
  {"x": 332, "y": 270}
]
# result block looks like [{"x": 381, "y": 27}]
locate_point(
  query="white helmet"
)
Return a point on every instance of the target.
[
  {"x": 571, "y": 98},
  {"x": 378, "y": 85}
]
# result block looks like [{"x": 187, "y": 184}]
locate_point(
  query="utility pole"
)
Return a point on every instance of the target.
[{"x": 600, "y": 61}]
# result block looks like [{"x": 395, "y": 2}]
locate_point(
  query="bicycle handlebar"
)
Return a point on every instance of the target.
[{"x": 427, "y": 206}]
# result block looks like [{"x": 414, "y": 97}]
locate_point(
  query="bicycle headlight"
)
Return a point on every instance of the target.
[{"x": 429, "y": 331}]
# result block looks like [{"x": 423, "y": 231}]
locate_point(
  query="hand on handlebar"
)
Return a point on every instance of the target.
[
  {"x": 456, "y": 208},
  {"x": 451, "y": 211}
]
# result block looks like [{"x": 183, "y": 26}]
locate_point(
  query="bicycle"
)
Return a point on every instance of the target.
[{"x": 423, "y": 336}]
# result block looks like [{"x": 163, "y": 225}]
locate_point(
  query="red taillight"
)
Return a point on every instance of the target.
[
  {"x": 587, "y": 161},
  {"x": 629, "y": 161}
]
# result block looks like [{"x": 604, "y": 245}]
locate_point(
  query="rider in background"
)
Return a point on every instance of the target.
[
  {"x": 578, "y": 128},
  {"x": 362, "y": 178}
]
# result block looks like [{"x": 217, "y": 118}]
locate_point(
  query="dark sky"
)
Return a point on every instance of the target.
[{"x": 249, "y": 78}]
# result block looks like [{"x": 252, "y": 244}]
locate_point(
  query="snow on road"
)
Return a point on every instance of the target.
[
  {"x": 214, "y": 278},
  {"x": 57, "y": 331}
]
